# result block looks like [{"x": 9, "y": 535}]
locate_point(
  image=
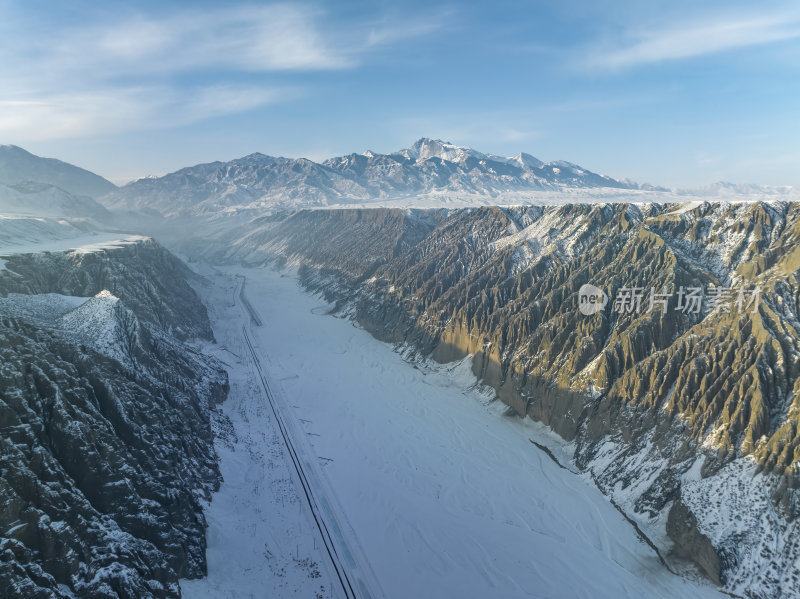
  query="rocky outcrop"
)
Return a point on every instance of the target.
[{"x": 692, "y": 544}]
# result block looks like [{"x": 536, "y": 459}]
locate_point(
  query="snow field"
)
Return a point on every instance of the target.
[{"x": 444, "y": 495}]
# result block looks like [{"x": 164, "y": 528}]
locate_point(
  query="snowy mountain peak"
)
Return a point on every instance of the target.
[
  {"x": 425, "y": 148},
  {"x": 523, "y": 159},
  {"x": 256, "y": 158}
]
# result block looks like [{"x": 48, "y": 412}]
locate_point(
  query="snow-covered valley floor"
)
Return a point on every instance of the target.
[{"x": 441, "y": 493}]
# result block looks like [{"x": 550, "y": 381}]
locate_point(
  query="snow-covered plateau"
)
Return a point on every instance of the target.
[{"x": 34, "y": 235}]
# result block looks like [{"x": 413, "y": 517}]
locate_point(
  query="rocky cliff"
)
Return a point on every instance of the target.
[{"x": 105, "y": 441}]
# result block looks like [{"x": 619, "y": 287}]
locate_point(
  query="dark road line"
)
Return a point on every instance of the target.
[{"x": 327, "y": 538}]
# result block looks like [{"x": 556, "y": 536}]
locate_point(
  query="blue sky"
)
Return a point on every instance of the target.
[{"x": 674, "y": 93}]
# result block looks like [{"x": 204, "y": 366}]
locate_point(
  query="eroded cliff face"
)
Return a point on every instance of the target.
[
  {"x": 690, "y": 420},
  {"x": 106, "y": 448}
]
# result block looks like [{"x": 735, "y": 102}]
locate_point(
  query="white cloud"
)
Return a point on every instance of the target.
[
  {"x": 105, "y": 77},
  {"x": 220, "y": 100},
  {"x": 116, "y": 110},
  {"x": 68, "y": 115},
  {"x": 689, "y": 39},
  {"x": 400, "y": 31},
  {"x": 258, "y": 39}
]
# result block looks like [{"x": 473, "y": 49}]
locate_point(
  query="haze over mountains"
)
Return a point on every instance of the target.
[
  {"x": 30, "y": 184},
  {"x": 20, "y": 166}
]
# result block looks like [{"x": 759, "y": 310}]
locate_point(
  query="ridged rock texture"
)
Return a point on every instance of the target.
[
  {"x": 106, "y": 448},
  {"x": 691, "y": 421}
]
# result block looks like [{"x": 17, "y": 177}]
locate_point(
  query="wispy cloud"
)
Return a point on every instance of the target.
[
  {"x": 262, "y": 38},
  {"x": 398, "y": 31},
  {"x": 112, "y": 110},
  {"x": 704, "y": 36},
  {"x": 173, "y": 68}
]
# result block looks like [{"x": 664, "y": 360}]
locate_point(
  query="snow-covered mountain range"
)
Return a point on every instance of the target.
[
  {"x": 105, "y": 454},
  {"x": 20, "y": 166},
  {"x": 42, "y": 199},
  {"x": 36, "y": 186},
  {"x": 259, "y": 182},
  {"x": 429, "y": 174}
]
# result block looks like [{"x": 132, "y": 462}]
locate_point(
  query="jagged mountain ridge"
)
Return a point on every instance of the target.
[
  {"x": 430, "y": 173},
  {"x": 258, "y": 182}
]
